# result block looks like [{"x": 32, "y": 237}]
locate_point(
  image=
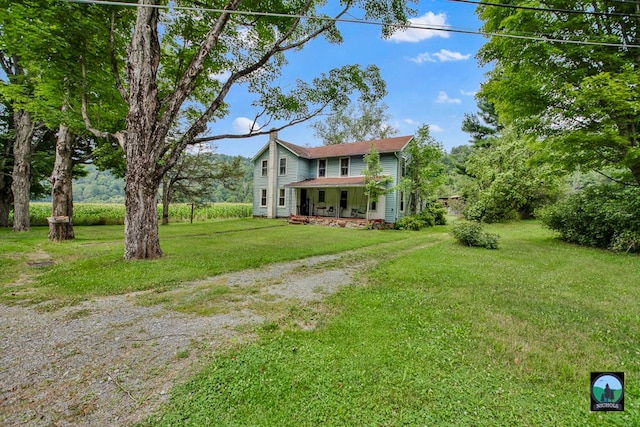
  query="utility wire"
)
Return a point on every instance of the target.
[
  {"x": 549, "y": 9},
  {"x": 407, "y": 26}
]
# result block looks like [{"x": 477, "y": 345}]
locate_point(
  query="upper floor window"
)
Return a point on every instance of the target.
[
  {"x": 404, "y": 167},
  {"x": 322, "y": 168},
  {"x": 264, "y": 168},
  {"x": 344, "y": 166},
  {"x": 283, "y": 166}
]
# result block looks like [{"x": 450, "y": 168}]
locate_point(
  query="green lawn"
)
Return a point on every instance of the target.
[
  {"x": 445, "y": 335},
  {"x": 92, "y": 264},
  {"x": 440, "y": 334}
]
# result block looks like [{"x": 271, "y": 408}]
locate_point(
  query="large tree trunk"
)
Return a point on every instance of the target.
[
  {"x": 21, "y": 185},
  {"x": 6, "y": 196},
  {"x": 61, "y": 223},
  {"x": 141, "y": 239},
  {"x": 142, "y": 139}
]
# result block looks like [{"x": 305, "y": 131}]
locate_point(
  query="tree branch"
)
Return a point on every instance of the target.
[
  {"x": 119, "y": 136},
  {"x": 114, "y": 63}
]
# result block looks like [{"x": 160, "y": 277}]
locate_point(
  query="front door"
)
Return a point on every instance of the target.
[
  {"x": 343, "y": 201},
  {"x": 304, "y": 202}
]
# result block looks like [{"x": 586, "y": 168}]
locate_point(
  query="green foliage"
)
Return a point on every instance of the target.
[
  {"x": 580, "y": 100},
  {"x": 423, "y": 169},
  {"x": 604, "y": 216},
  {"x": 505, "y": 183},
  {"x": 432, "y": 214},
  {"x": 473, "y": 234},
  {"x": 375, "y": 185},
  {"x": 411, "y": 222},
  {"x": 365, "y": 122}
]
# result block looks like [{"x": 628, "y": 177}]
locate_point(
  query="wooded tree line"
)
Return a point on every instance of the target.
[{"x": 559, "y": 107}]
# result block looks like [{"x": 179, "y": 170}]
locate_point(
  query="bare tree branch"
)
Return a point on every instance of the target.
[{"x": 260, "y": 132}]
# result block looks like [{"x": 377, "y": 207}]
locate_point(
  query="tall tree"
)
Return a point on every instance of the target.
[
  {"x": 194, "y": 177},
  {"x": 375, "y": 184},
  {"x": 579, "y": 97},
  {"x": 169, "y": 72},
  {"x": 63, "y": 38},
  {"x": 483, "y": 125},
  {"x": 367, "y": 121},
  {"x": 505, "y": 181},
  {"x": 423, "y": 169}
]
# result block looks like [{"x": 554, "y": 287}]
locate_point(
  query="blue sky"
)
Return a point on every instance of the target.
[{"x": 431, "y": 76}]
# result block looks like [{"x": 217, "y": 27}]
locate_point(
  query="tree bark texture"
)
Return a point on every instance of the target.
[
  {"x": 21, "y": 185},
  {"x": 141, "y": 219},
  {"x": 62, "y": 191},
  {"x": 143, "y": 137}
]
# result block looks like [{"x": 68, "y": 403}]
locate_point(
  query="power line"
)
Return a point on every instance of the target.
[
  {"x": 549, "y": 9},
  {"x": 408, "y": 26}
]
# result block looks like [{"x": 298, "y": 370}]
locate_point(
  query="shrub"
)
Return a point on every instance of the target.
[
  {"x": 434, "y": 213},
  {"x": 472, "y": 234},
  {"x": 411, "y": 222},
  {"x": 603, "y": 216}
]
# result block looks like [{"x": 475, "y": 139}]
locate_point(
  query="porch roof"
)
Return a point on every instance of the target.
[{"x": 351, "y": 181}]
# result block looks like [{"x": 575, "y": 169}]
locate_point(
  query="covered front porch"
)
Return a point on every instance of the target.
[{"x": 333, "y": 198}]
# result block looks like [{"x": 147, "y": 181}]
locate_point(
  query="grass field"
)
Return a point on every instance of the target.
[{"x": 440, "y": 334}]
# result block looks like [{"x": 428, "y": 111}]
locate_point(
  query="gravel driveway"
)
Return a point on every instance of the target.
[{"x": 112, "y": 361}]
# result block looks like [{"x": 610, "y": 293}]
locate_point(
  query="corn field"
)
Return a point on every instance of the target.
[{"x": 113, "y": 214}]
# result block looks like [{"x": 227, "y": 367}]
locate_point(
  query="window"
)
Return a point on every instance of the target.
[
  {"x": 263, "y": 197},
  {"x": 321, "y": 196},
  {"x": 373, "y": 206},
  {"x": 264, "y": 168},
  {"x": 404, "y": 166},
  {"x": 322, "y": 168},
  {"x": 344, "y": 166},
  {"x": 401, "y": 201},
  {"x": 283, "y": 166},
  {"x": 281, "y": 197}
]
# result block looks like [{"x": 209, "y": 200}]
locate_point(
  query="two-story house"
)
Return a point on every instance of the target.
[{"x": 326, "y": 181}]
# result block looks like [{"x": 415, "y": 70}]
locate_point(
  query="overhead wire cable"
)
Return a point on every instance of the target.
[
  {"x": 549, "y": 9},
  {"x": 407, "y": 26}
]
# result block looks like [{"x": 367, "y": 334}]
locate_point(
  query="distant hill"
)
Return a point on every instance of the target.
[{"x": 102, "y": 187}]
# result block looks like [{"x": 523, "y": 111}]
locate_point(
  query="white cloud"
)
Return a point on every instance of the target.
[
  {"x": 244, "y": 125},
  {"x": 447, "y": 56},
  {"x": 410, "y": 122},
  {"x": 425, "y": 23},
  {"x": 443, "y": 98},
  {"x": 443, "y": 56},
  {"x": 422, "y": 57},
  {"x": 468, "y": 93},
  {"x": 435, "y": 128}
]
